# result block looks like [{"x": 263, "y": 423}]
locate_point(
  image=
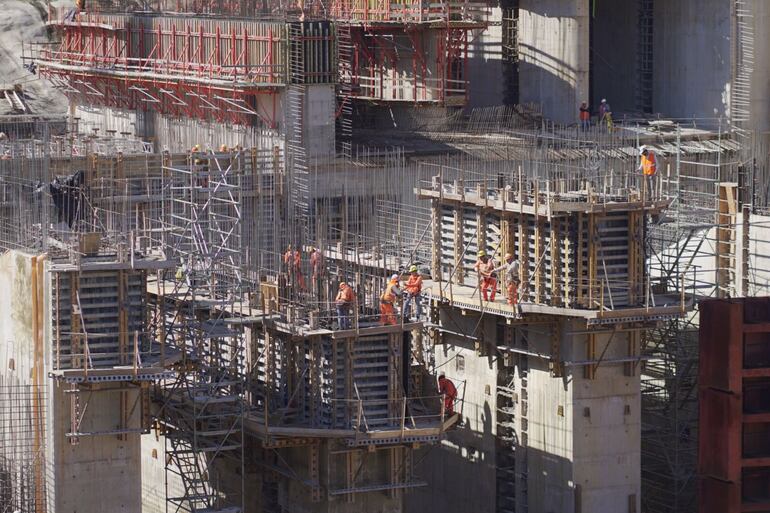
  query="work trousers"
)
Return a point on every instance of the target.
[
  {"x": 417, "y": 300},
  {"x": 486, "y": 285},
  {"x": 513, "y": 293},
  {"x": 343, "y": 316},
  {"x": 387, "y": 314}
]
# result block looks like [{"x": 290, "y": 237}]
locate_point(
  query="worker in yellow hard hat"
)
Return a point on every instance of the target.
[{"x": 224, "y": 148}]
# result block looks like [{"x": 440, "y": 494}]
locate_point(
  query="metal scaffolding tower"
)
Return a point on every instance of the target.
[{"x": 203, "y": 408}]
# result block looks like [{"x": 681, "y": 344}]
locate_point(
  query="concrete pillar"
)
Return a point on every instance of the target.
[
  {"x": 760, "y": 85},
  {"x": 692, "y": 58},
  {"x": 554, "y": 53}
]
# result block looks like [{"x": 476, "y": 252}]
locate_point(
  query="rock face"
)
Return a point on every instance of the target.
[{"x": 23, "y": 21}]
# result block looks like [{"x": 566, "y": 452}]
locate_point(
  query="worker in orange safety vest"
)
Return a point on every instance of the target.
[
  {"x": 585, "y": 117},
  {"x": 487, "y": 276},
  {"x": 413, "y": 292},
  {"x": 648, "y": 166},
  {"x": 345, "y": 299},
  {"x": 388, "y": 301}
]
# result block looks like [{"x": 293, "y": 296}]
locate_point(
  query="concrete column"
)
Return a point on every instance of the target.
[
  {"x": 760, "y": 85},
  {"x": 554, "y": 53},
  {"x": 692, "y": 58}
]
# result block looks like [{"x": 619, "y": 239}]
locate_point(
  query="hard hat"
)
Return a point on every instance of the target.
[
  {"x": 394, "y": 277},
  {"x": 442, "y": 375},
  {"x": 508, "y": 256},
  {"x": 482, "y": 253},
  {"x": 197, "y": 147},
  {"x": 413, "y": 269},
  {"x": 642, "y": 149},
  {"x": 224, "y": 148},
  {"x": 604, "y": 100},
  {"x": 343, "y": 284}
]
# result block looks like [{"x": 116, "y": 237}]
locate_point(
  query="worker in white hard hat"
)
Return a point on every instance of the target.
[
  {"x": 388, "y": 299},
  {"x": 512, "y": 270},
  {"x": 605, "y": 113},
  {"x": 648, "y": 166}
]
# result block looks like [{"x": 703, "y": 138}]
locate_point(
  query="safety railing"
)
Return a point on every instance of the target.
[
  {"x": 391, "y": 11},
  {"x": 240, "y": 76},
  {"x": 362, "y": 416},
  {"x": 604, "y": 294},
  {"x": 406, "y": 11},
  {"x": 568, "y": 185},
  {"x": 411, "y": 89}
]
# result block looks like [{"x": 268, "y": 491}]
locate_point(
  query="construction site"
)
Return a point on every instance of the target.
[{"x": 385, "y": 256}]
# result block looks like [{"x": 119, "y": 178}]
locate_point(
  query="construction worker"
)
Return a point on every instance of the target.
[
  {"x": 447, "y": 389},
  {"x": 648, "y": 166},
  {"x": 512, "y": 278},
  {"x": 201, "y": 166},
  {"x": 585, "y": 117},
  {"x": 487, "y": 276},
  {"x": 315, "y": 266},
  {"x": 605, "y": 114},
  {"x": 292, "y": 259},
  {"x": 344, "y": 301},
  {"x": 388, "y": 301},
  {"x": 413, "y": 292}
]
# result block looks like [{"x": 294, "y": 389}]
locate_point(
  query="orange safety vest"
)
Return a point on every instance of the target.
[
  {"x": 649, "y": 166},
  {"x": 414, "y": 284},
  {"x": 585, "y": 114},
  {"x": 388, "y": 296},
  {"x": 345, "y": 295}
]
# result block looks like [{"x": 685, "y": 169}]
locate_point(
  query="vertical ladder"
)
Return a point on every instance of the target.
[
  {"x": 743, "y": 68},
  {"x": 296, "y": 145},
  {"x": 345, "y": 54}
]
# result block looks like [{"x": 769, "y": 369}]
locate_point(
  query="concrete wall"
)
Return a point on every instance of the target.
[
  {"x": 549, "y": 449},
  {"x": 100, "y": 473},
  {"x": 461, "y": 473},
  {"x": 485, "y": 66},
  {"x": 16, "y": 338},
  {"x": 692, "y": 52},
  {"x": 554, "y": 51},
  {"x": 615, "y": 56},
  {"x": 606, "y": 422}
]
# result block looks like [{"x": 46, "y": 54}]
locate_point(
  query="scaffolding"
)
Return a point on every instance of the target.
[{"x": 203, "y": 407}]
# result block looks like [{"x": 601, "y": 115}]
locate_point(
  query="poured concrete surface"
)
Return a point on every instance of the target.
[
  {"x": 554, "y": 52},
  {"x": 692, "y": 52}
]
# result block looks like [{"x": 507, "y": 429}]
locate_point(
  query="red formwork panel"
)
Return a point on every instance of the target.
[
  {"x": 719, "y": 442},
  {"x": 734, "y": 344},
  {"x": 718, "y": 496},
  {"x": 721, "y": 354}
]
